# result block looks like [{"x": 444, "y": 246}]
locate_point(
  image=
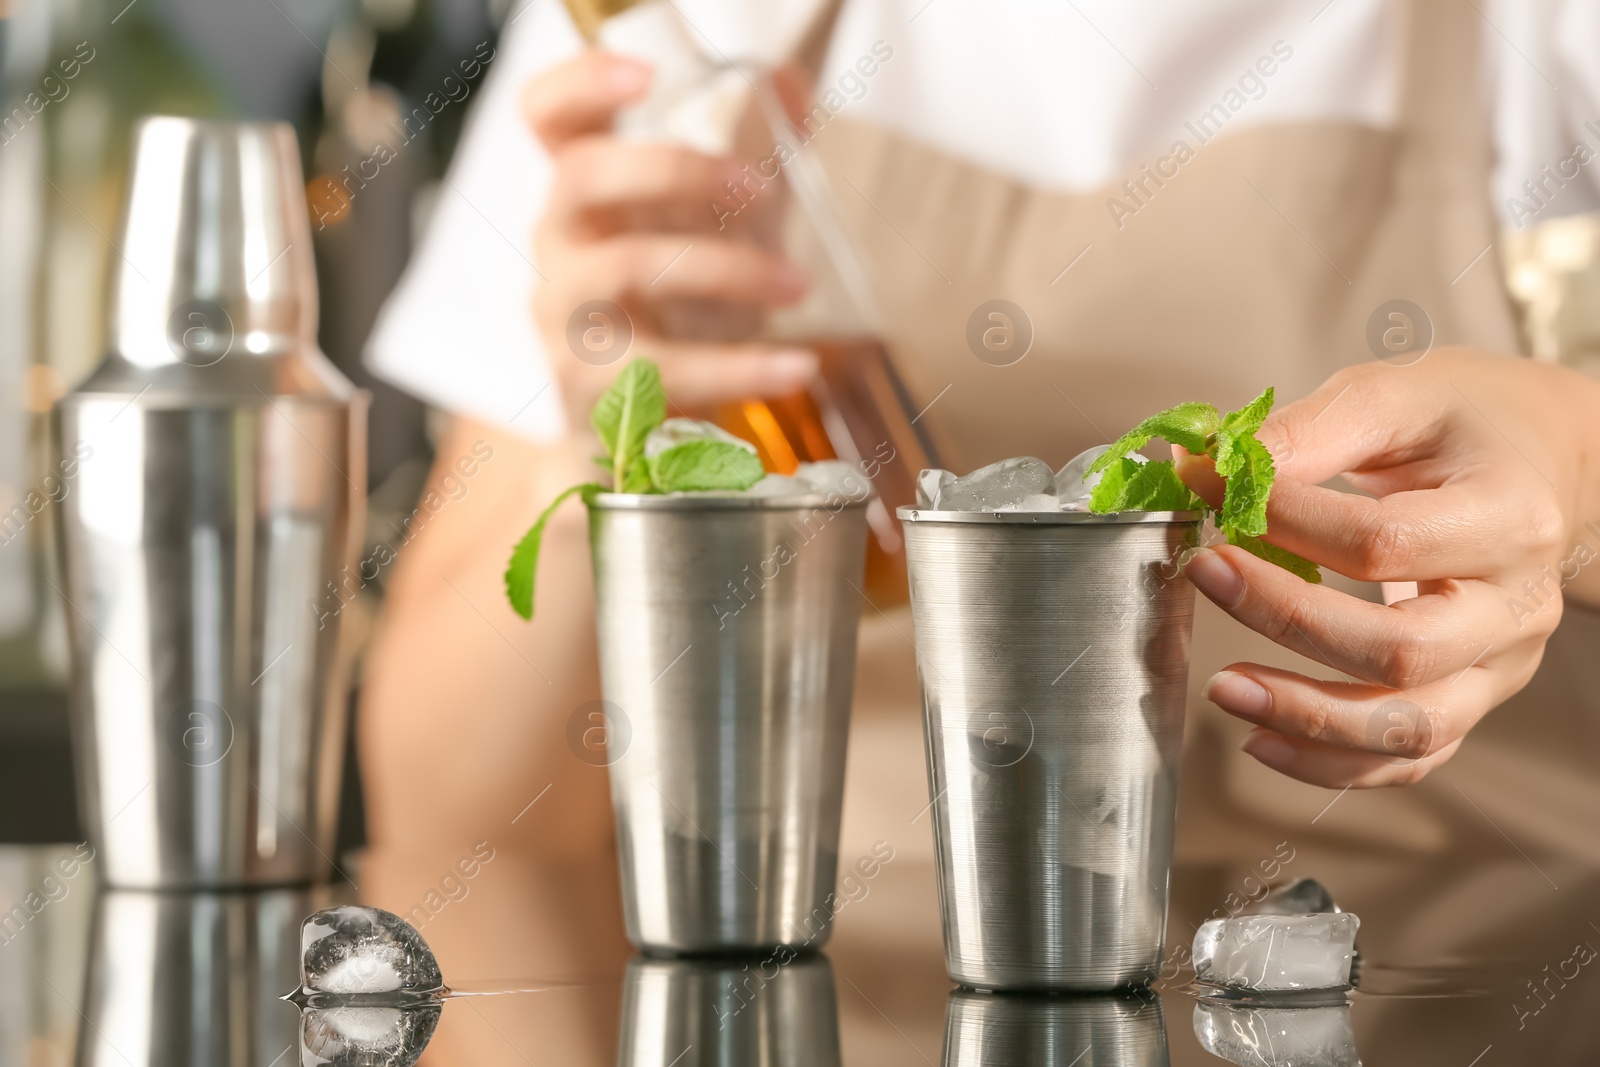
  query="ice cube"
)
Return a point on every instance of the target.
[
  {"x": 771, "y": 485},
  {"x": 1072, "y": 487},
  {"x": 999, "y": 486},
  {"x": 365, "y": 1036},
  {"x": 675, "y": 432},
  {"x": 930, "y": 484},
  {"x": 354, "y": 949},
  {"x": 1304, "y": 897},
  {"x": 1037, "y": 502},
  {"x": 1276, "y": 952},
  {"x": 834, "y": 476},
  {"x": 1277, "y": 1037}
]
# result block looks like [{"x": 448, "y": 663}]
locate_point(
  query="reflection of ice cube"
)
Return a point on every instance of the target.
[
  {"x": 1276, "y": 952},
  {"x": 676, "y": 432},
  {"x": 1305, "y": 897},
  {"x": 999, "y": 486},
  {"x": 353, "y": 949},
  {"x": 365, "y": 1036},
  {"x": 1277, "y": 1037},
  {"x": 930, "y": 484}
]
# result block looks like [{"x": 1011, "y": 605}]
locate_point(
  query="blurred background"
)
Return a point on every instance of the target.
[{"x": 75, "y": 74}]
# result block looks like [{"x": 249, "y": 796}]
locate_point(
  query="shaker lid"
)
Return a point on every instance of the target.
[{"x": 214, "y": 290}]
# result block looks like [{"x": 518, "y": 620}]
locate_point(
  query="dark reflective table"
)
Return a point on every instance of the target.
[{"x": 1501, "y": 974}]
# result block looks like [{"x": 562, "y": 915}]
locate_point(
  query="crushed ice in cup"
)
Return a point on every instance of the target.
[
  {"x": 1000, "y": 486},
  {"x": 1277, "y": 1037},
  {"x": 1304, "y": 897},
  {"x": 365, "y": 1036},
  {"x": 930, "y": 483},
  {"x": 1071, "y": 487},
  {"x": 674, "y": 432},
  {"x": 833, "y": 476},
  {"x": 359, "y": 950},
  {"x": 773, "y": 485},
  {"x": 1276, "y": 953}
]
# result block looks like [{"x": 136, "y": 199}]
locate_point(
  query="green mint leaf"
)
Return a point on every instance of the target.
[
  {"x": 1249, "y": 483},
  {"x": 524, "y": 562},
  {"x": 1236, "y": 425},
  {"x": 1282, "y": 557},
  {"x": 627, "y": 412},
  {"x": 1110, "y": 493},
  {"x": 708, "y": 464},
  {"x": 636, "y": 479},
  {"x": 1134, "y": 486},
  {"x": 1188, "y": 425}
]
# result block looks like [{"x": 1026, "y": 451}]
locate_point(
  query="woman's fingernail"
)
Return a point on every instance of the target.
[
  {"x": 1269, "y": 748},
  {"x": 1215, "y": 577},
  {"x": 1240, "y": 694},
  {"x": 627, "y": 76}
]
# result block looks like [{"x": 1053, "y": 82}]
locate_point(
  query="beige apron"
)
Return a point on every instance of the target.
[{"x": 1258, "y": 264}]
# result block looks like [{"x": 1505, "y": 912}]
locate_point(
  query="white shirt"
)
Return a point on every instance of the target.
[{"x": 1063, "y": 96}]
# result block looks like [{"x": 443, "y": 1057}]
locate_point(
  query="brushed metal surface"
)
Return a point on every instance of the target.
[
  {"x": 1084, "y": 1030},
  {"x": 216, "y": 508},
  {"x": 777, "y": 1012},
  {"x": 192, "y": 978},
  {"x": 1053, "y": 654},
  {"x": 727, "y": 656}
]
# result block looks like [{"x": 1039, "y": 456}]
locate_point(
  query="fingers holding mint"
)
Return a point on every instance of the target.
[{"x": 1232, "y": 474}]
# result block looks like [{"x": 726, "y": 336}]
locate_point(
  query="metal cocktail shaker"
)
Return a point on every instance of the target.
[
  {"x": 727, "y": 657},
  {"x": 1053, "y": 650},
  {"x": 220, "y": 488}
]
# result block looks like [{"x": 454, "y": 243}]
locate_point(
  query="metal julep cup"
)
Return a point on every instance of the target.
[
  {"x": 209, "y": 539},
  {"x": 727, "y": 631},
  {"x": 1053, "y": 650}
]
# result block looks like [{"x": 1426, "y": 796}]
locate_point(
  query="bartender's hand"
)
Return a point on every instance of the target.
[
  {"x": 635, "y": 224},
  {"x": 1485, "y": 475}
]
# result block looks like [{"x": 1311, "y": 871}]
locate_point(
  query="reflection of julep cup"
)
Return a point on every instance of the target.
[
  {"x": 192, "y": 978},
  {"x": 1094, "y": 1030},
  {"x": 1053, "y": 650},
  {"x": 754, "y": 1012},
  {"x": 727, "y": 654},
  {"x": 218, "y": 501}
]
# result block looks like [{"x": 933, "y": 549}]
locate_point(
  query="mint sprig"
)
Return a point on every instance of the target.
[
  {"x": 624, "y": 417},
  {"x": 1243, "y": 462}
]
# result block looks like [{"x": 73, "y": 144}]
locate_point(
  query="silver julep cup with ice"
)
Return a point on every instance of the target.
[
  {"x": 727, "y": 635},
  {"x": 1053, "y": 652},
  {"x": 217, "y": 507}
]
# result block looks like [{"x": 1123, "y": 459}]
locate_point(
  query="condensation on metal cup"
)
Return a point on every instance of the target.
[
  {"x": 727, "y": 631},
  {"x": 751, "y": 1012},
  {"x": 1053, "y": 651},
  {"x": 209, "y": 541},
  {"x": 1088, "y": 1030}
]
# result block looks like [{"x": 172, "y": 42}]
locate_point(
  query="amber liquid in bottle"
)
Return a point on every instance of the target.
[{"x": 858, "y": 411}]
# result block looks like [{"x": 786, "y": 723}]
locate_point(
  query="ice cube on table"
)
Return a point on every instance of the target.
[
  {"x": 365, "y": 1036},
  {"x": 674, "y": 432},
  {"x": 354, "y": 950},
  {"x": 1276, "y": 953},
  {"x": 999, "y": 486},
  {"x": 1277, "y": 1037},
  {"x": 1304, "y": 897},
  {"x": 930, "y": 483}
]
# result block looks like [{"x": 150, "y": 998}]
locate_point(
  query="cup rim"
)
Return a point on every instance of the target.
[
  {"x": 1048, "y": 518},
  {"x": 728, "y": 502}
]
